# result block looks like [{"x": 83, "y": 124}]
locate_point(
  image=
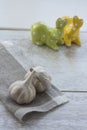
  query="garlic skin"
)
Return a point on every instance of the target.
[
  {"x": 41, "y": 81},
  {"x": 23, "y": 92}
]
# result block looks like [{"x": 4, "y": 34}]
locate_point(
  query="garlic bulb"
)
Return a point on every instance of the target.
[
  {"x": 42, "y": 81},
  {"x": 23, "y": 91}
]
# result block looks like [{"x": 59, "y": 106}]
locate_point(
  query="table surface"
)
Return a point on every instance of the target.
[{"x": 68, "y": 68}]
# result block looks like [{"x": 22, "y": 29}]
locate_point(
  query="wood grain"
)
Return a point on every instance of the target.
[
  {"x": 71, "y": 76},
  {"x": 68, "y": 66}
]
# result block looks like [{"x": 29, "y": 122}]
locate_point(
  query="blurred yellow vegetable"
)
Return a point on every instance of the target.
[{"x": 72, "y": 29}]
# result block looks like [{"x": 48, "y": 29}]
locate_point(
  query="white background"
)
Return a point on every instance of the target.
[{"x": 23, "y": 13}]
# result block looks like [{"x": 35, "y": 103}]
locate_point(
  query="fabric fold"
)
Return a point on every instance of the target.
[{"x": 10, "y": 71}]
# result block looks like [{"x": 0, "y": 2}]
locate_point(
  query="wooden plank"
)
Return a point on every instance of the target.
[
  {"x": 68, "y": 66},
  {"x": 12, "y": 35},
  {"x": 69, "y": 63},
  {"x": 71, "y": 116}
]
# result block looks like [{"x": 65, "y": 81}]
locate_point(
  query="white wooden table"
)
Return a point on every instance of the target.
[{"x": 72, "y": 80}]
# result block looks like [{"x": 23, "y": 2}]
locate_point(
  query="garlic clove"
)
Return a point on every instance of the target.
[
  {"x": 23, "y": 91},
  {"x": 41, "y": 80}
]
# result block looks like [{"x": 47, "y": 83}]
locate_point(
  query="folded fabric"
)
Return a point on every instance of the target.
[{"x": 10, "y": 71}]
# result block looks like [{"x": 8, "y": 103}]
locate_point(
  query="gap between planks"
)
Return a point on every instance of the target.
[
  {"x": 74, "y": 91},
  {"x": 23, "y": 29}
]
